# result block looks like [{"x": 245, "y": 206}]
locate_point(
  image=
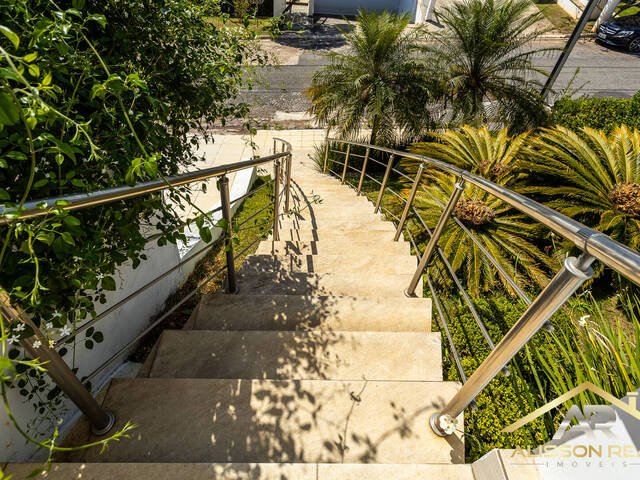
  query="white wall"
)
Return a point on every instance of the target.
[
  {"x": 278, "y": 7},
  {"x": 123, "y": 325}
]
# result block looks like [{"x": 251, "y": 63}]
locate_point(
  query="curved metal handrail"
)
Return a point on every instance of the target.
[
  {"x": 615, "y": 255},
  {"x": 78, "y": 201},
  {"x": 101, "y": 420},
  {"x": 575, "y": 271}
]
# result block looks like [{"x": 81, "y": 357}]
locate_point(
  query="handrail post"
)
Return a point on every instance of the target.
[
  {"x": 446, "y": 213},
  {"x": 364, "y": 168},
  {"x": 288, "y": 184},
  {"x": 326, "y": 155},
  {"x": 276, "y": 200},
  {"x": 563, "y": 285},
  {"x": 384, "y": 183},
  {"x": 407, "y": 206},
  {"x": 223, "y": 184},
  {"x": 101, "y": 420},
  {"x": 346, "y": 161}
]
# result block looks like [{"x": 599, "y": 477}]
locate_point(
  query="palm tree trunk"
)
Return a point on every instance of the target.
[{"x": 374, "y": 130}]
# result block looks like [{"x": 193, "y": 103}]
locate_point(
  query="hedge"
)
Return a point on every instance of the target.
[{"x": 599, "y": 113}]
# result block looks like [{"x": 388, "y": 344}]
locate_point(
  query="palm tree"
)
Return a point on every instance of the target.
[
  {"x": 380, "y": 79},
  {"x": 491, "y": 155},
  {"x": 508, "y": 235},
  {"x": 594, "y": 178},
  {"x": 482, "y": 62}
]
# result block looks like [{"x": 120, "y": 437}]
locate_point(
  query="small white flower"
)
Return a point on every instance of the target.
[
  {"x": 66, "y": 330},
  {"x": 104, "y": 170},
  {"x": 583, "y": 320},
  {"x": 48, "y": 325},
  {"x": 56, "y": 314},
  {"x": 13, "y": 339},
  {"x": 37, "y": 344},
  {"x": 59, "y": 421},
  {"x": 19, "y": 327}
]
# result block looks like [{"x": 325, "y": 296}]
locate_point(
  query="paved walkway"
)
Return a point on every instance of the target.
[{"x": 227, "y": 149}]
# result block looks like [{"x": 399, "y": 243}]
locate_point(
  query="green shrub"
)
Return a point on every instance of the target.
[
  {"x": 600, "y": 113},
  {"x": 505, "y": 399}
]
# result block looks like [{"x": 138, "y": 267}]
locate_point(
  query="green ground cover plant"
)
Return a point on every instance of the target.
[{"x": 90, "y": 98}]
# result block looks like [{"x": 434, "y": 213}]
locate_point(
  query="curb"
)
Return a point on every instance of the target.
[{"x": 552, "y": 36}]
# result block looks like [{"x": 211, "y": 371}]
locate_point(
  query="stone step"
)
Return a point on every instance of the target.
[
  {"x": 333, "y": 246},
  {"x": 337, "y": 235},
  {"x": 201, "y": 420},
  {"x": 349, "y": 263},
  {"x": 295, "y": 283},
  {"x": 356, "y": 223},
  {"x": 292, "y": 312},
  {"x": 314, "y": 355},
  {"x": 344, "y": 212},
  {"x": 244, "y": 471}
]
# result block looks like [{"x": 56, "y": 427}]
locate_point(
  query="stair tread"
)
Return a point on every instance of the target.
[
  {"x": 245, "y": 471},
  {"x": 301, "y": 355},
  {"x": 332, "y": 246},
  {"x": 357, "y": 223},
  {"x": 345, "y": 235},
  {"x": 298, "y": 283},
  {"x": 198, "y": 420},
  {"x": 352, "y": 262},
  {"x": 297, "y": 312}
]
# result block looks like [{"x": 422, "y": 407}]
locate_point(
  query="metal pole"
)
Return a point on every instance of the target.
[
  {"x": 407, "y": 206},
  {"x": 573, "y": 39},
  {"x": 346, "y": 161},
  {"x": 288, "y": 184},
  {"x": 326, "y": 155},
  {"x": 223, "y": 184},
  {"x": 458, "y": 188},
  {"x": 384, "y": 183},
  {"x": 101, "y": 420},
  {"x": 364, "y": 168},
  {"x": 276, "y": 203},
  {"x": 574, "y": 272}
]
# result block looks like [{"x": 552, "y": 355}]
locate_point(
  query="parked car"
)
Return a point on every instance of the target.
[{"x": 621, "y": 32}]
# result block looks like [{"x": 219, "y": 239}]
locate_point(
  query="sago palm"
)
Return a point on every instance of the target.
[
  {"x": 478, "y": 150},
  {"x": 380, "y": 81},
  {"x": 505, "y": 233},
  {"x": 508, "y": 235},
  {"x": 590, "y": 176},
  {"x": 483, "y": 62}
]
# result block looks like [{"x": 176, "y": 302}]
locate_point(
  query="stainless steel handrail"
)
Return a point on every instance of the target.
[
  {"x": 594, "y": 245},
  {"x": 615, "y": 255},
  {"x": 101, "y": 420},
  {"x": 37, "y": 208}
]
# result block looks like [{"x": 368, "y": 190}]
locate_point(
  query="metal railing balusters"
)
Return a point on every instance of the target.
[
  {"x": 426, "y": 256},
  {"x": 346, "y": 161},
  {"x": 100, "y": 419},
  {"x": 287, "y": 187},
  {"x": 563, "y": 285},
  {"x": 384, "y": 183},
  {"x": 409, "y": 202},
  {"x": 326, "y": 155},
  {"x": 364, "y": 169},
  {"x": 223, "y": 184},
  {"x": 276, "y": 202}
]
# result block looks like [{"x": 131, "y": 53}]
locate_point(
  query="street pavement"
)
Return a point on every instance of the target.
[{"x": 601, "y": 72}]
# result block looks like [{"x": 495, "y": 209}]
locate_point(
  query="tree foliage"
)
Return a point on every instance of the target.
[
  {"x": 482, "y": 63},
  {"x": 95, "y": 94},
  {"x": 379, "y": 81}
]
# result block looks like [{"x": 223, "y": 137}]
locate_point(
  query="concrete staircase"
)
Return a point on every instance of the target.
[{"x": 319, "y": 368}]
